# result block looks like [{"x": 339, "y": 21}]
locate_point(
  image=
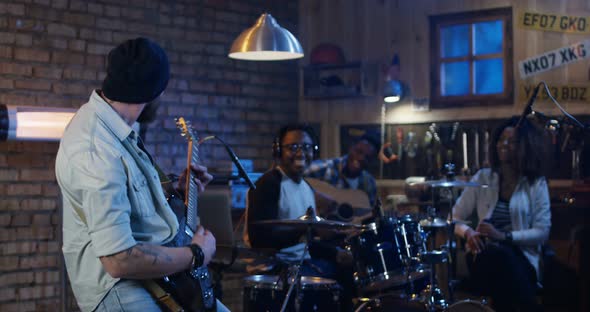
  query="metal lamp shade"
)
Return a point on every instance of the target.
[{"x": 266, "y": 41}]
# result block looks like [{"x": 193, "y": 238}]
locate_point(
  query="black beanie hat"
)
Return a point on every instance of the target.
[{"x": 137, "y": 72}]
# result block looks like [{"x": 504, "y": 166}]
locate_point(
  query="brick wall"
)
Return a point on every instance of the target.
[{"x": 52, "y": 53}]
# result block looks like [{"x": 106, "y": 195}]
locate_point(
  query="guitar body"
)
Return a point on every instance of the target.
[
  {"x": 355, "y": 198},
  {"x": 192, "y": 289},
  {"x": 189, "y": 290},
  {"x": 357, "y": 203}
]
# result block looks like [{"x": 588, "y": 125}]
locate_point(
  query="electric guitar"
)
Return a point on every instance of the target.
[{"x": 189, "y": 290}]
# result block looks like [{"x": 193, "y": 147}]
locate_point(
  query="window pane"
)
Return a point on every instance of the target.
[
  {"x": 487, "y": 37},
  {"x": 454, "y": 40},
  {"x": 454, "y": 78},
  {"x": 489, "y": 76}
]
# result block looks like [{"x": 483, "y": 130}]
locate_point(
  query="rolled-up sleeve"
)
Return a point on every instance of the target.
[{"x": 102, "y": 181}]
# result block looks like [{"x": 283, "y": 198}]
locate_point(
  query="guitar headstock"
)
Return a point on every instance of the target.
[{"x": 186, "y": 129}]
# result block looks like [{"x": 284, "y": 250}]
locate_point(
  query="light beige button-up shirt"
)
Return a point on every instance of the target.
[{"x": 111, "y": 194}]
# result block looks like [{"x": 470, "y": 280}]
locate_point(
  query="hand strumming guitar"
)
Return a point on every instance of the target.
[{"x": 206, "y": 241}]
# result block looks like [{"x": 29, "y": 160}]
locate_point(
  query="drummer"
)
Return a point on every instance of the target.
[{"x": 282, "y": 193}]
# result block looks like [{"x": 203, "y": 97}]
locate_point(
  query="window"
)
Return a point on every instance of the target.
[{"x": 471, "y": 58}]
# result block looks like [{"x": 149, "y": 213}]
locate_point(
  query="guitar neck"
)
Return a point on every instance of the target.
[{"x": 192, "y": 219}]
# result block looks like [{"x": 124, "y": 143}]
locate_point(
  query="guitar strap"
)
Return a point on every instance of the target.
[{"x": 161, "y": 296}]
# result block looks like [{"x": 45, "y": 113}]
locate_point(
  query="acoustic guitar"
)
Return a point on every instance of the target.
[{"x": 356, "y": 200}]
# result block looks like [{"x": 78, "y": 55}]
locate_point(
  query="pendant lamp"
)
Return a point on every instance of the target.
[{"x": 266, "y": 41}]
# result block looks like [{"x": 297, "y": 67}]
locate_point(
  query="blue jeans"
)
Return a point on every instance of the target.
[{"x": 130, "y": 296}]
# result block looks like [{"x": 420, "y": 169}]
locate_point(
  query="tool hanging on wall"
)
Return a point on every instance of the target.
[
  {"x": 411, "y": 144},
  {"x": 465, "y": 169},
  {"x": 476, "y": 149},
  {"x": 399, "y": 134},
  {"x": 486, "y": 149}
]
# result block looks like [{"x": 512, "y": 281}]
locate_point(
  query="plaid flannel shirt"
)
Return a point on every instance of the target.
[{"x": 331, "y": 171}]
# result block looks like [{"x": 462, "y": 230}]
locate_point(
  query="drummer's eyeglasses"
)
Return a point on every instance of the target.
[{"x": 293, "y": 148}]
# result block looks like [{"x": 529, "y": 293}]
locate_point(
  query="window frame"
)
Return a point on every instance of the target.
[{"x": 438, "y": 21}]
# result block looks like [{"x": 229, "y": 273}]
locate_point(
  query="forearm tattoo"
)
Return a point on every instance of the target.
[{"x": 142, "y": 251}]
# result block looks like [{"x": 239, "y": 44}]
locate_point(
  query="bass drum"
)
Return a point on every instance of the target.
[
  {"x": 386, "y": 303},
  {"x": 265, "y": 293},
  {"x": 469, "y": 306}
]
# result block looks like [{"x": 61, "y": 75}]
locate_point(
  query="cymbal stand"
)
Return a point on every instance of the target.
[
  {"x": 451, "y": 263},
  {"x": 297, "y": 278},
  {"x": 432, "y": 296}
]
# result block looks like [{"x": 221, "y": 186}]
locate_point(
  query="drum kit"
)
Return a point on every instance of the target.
[{"x": 394, "y": 266}]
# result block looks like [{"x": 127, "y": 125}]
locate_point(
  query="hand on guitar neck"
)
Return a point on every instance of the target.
[
  {"x": 202, "y": 236},
  {"x": 200, "y": 176}
]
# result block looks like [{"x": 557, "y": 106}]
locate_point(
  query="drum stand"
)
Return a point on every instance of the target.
[
  {"x": 432, "y": 296},
  {"x": 450, "y": 245}
]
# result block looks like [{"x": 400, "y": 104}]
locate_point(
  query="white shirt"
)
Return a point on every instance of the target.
[
  {"x": 111, "y": 197},
  {"x": 529, "y": 208}
]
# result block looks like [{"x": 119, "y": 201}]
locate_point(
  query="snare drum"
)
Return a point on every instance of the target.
[{"x": 265, "y": 293}]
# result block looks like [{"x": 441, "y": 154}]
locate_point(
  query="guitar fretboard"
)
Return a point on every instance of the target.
[
  {"x": 192, "y": 219},
  {"x": 190, "y": 201}
]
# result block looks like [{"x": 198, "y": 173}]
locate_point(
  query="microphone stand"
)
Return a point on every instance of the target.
[{"x": 241, "y": 172}]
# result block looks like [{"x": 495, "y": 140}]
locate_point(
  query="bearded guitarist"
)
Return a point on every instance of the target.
[{"x": 116, "y": 218}]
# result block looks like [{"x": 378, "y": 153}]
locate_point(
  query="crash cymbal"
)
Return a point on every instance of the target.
[
  {"x": 447, "y": 183},
  {"x": 302, "y": 225}
]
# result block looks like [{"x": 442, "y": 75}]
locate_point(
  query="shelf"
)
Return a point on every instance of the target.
[{"x": 350, "y": 80}]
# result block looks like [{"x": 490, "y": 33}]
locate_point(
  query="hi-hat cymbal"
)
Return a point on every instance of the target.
[
  {"x": 433, "y": 223},
  {"x": 447, "y": 183},
  {"x": 439, "y": 222}
]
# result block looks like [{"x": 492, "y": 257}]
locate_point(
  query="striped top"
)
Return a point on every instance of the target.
[{"x": 501, "y": 216}]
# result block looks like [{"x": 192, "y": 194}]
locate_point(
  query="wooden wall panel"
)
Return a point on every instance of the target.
[{"x": 372, "y": 30}]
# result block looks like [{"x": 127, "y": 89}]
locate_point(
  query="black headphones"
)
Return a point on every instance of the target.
[{"x": 278, "y": 140}]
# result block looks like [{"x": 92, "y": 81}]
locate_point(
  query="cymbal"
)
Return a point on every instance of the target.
[
  {"x": 302, "y": 225},
  {"x": 439, "y": 222},
  {"x": 447, "y": 183},
  {"x": 434, "y": 223}
]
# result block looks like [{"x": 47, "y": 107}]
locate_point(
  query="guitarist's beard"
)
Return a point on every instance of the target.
[{"x": 148, "y": 114}]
